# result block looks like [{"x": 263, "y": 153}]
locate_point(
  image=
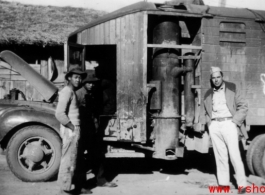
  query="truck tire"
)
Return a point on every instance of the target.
[
  {"x": 34, "y": 153},
  {"x": 249, "y": 155},
  {"x": 258, "y": 156}
]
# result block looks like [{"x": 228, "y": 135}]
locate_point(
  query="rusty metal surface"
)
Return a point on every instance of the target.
[
  {"x": 156, "y": 95},
  {"x": 189, "y": 93},
  {"x": 167, "y": 134},
  {"x": 166, "y": 128},
  {"x": 163, "y": 62},
  {"x": 46, "y": 88}
]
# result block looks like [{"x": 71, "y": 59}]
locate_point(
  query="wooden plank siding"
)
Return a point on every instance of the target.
[
  {"x": 118, "y": 31},
  {"x": 128, "y": 68},
  {"x": 79, "y": 41},
  {"x": 129, "y": 34},
  {"x": 92, "y": 36},
  {"x": 107, "y": 33},
  {"x": 101, "y": 34},
  {"x": 97, "y": 35},
  {"x": 142, "y": 56},
  {"x": 121, "y": 90},
  {"x": 84, "y": 37},
  {"x": 112, "y": 34},
  {"x": 242, "y": 64},
  {"x": 87, "y": 36}
]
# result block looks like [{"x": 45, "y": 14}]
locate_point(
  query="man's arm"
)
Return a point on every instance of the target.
[
  {"x": 241, "y": 108},
  {"x": 60, "y": 113}
]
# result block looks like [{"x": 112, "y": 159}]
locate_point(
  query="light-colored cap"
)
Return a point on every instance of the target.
[{"x": 215, "y": 69}]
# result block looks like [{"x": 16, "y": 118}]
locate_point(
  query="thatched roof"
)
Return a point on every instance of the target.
[{"x": 44, "y": 25}]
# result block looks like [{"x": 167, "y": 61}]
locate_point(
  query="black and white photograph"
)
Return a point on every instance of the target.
[{"x": 132, "y": 97}]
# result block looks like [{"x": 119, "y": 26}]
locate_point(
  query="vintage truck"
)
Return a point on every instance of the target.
[{"x": 158, "y": 57}]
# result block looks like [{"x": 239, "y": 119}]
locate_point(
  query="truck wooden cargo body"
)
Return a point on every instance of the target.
[{"x": 147, "y": 49}]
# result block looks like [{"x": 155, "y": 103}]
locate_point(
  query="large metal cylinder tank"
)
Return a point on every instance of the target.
[{"x": 166, "y": 127}]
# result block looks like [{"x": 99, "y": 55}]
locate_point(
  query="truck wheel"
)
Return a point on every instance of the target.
[
  {"x": 34, "y": 153},
  {"x": 258, "y": 156},
  {"x": 249, "y": 155}
]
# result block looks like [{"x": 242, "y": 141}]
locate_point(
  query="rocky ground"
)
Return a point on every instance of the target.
[{"x": 191, "y": 175}]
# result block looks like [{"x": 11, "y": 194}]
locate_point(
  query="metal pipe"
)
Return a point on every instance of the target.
[
  {"x": 166, "y": 127},
  {"x": 143, "y": 147},
  {"x": 41, "y": 84},
  {"x": 178, "y": 71},
  {"x": 189, "y": 95}
]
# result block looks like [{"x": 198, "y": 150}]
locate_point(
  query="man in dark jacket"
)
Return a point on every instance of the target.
[
  {"x": 225, "y": 111},
  {"x": 90, "y": 105}
]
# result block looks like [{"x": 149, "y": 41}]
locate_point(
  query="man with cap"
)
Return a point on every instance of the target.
[
  {"x": 90, "y": 102},
  {"x": 67, "y": 113},
  {"x": 225, "y": 110}
]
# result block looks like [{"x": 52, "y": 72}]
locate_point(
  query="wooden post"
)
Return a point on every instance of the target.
[
  {"x": 44, "y": 68},
  {"x": 50, "y": 68},
  {"x": 66, "y": 56}
]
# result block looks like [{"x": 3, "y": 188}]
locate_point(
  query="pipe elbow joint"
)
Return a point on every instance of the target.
[{"x": 178, "y": 71}]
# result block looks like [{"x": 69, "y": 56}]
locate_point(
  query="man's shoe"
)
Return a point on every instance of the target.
[
  {"x": 72, "y": 192},
  {"x": 242, "y": 191},
  {"x": 85, "y": 191},
  {"x": 108, "y": 184}
]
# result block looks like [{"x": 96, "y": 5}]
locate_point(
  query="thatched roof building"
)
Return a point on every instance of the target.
[
  {"x": 42, "y": 25},
  {"x": 37, "y": 34}
]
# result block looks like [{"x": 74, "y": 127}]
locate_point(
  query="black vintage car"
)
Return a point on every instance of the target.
[{"x": 29, "y": 130}]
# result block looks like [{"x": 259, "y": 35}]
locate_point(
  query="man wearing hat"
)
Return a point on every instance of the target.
[
  {"x": 225, "y": 111},
  {"x": 67, "y": 113},
  {"x": 90, "y": 102}
]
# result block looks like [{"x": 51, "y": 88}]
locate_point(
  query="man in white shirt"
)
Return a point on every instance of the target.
[{"x": 225, "y": 111}]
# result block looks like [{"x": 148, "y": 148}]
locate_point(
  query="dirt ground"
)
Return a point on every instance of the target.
[{"x": 191, "y": 175}]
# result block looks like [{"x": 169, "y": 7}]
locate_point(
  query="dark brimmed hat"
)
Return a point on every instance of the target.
[
  {"x": 90, "y": 77},
  {"x": 75, "y": 70}
]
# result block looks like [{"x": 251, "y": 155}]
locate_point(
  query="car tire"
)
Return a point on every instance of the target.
[
  {"x": 249, "y": 155},
  {"x": 258, "y": 155},
  {"x": 34, "y": 153}
]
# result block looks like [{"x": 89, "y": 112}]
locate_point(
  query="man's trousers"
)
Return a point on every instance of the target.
[
  {"x": 69, "y": 157},
  {"x": 224, "y": 137}
]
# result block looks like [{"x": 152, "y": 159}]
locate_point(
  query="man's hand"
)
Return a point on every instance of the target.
[
  {"x": 198, "y": 127},
  {"x": 71, "y": 126}
]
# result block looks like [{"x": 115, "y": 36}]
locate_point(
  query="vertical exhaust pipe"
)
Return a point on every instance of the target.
[
  {"x": 166, "y": 127},
  {"x": 189, "y": 80}
]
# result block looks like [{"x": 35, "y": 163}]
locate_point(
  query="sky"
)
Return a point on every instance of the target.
[{"x": 112, "y": 5}]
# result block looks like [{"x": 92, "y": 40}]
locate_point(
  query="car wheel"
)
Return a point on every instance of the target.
[
  {"x": 34, "y": 153},
  {"x": 258, "y": 156}
]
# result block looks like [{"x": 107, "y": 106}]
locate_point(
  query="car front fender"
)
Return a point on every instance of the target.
[{"x": 12, "y": 117}]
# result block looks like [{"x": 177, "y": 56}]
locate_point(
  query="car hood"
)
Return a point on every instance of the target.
[{"x": 45, "y": 87}]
